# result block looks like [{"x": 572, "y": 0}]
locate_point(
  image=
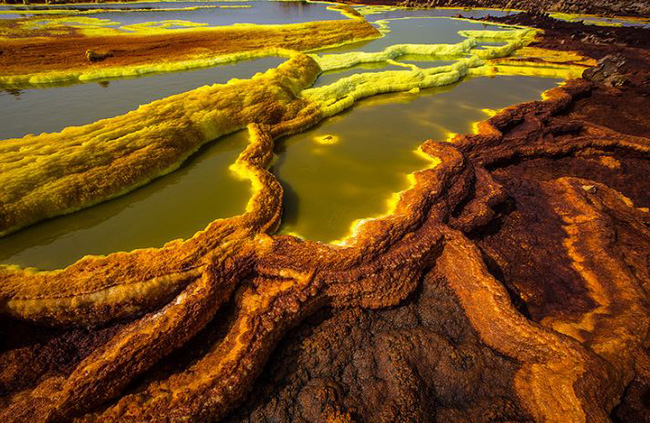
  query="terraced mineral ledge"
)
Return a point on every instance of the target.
[{"x": 506, "y": 280}]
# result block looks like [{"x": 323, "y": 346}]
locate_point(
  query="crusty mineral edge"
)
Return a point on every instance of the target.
[
  {"x": 551, "y": 364},
  {"x": 141, "y": 344},
  {"x": 560, "y": 380},
  {"x": 99, "y": 289},
  {"x": 616, "y": 290}
]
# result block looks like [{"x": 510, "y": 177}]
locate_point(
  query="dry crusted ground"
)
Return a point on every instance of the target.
[{"x": 511, "y": 284}]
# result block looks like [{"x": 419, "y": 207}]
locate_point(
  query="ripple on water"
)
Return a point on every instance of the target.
[{"x": 419, "y": 13}]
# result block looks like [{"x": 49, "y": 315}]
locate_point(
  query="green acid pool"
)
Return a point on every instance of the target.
[{"x": 329, "y": 186}]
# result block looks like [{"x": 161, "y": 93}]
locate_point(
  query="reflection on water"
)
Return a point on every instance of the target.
[
  {"x": 418, "y": 31},
  {"x": 417, "y": 13},
  {"x": 174, "y": 206},
  {"x": 329, "y": 186},
  {"x": 485, "y": 13},
  {"x": 263, "y": 12},
  {"x": 39, "y": 110}
]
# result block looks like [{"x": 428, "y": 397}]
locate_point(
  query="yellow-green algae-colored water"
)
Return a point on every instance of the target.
[
  {"x": 174, "y": 206},
  {"x": 341, "y": 171},
  {"x": 373, "y": 147}
]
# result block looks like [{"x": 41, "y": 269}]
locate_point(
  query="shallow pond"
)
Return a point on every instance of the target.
[
  {"x": 329, "y": 186},
  {"x": 379, "y": 13},
  {"x": 418, "y": 31},
  {"x": 373, "y": 14},
  {"x": 174, "y": 206}
]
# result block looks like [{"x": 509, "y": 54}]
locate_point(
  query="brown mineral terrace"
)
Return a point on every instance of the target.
[
  {"x": 261, "y": 286},
  {"x": 510, "y": 283}
]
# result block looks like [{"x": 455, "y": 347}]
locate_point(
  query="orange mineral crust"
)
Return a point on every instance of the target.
[
  {"x": 43, "y": 53},
  {"x": 509, "y": 283}
]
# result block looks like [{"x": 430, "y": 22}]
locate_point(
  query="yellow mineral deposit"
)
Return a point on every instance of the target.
[
  {"x": 40, "y": 172},
  {"x": 174, "y": 128}
]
